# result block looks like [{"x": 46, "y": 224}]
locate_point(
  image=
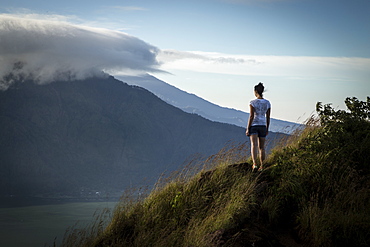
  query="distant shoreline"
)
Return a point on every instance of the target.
[{"x": 17, "y": 201}]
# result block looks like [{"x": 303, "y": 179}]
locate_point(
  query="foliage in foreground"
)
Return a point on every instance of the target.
[{"x": 315, "y": 192}]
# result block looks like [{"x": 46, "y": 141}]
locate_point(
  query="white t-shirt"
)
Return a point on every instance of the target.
[{"x": 260, "y": 108}]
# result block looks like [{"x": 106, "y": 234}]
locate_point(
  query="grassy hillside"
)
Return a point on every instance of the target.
[{"x": 314, "y": 192}]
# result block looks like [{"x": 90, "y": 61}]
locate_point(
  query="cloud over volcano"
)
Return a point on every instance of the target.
[{"x": 47, "y": 50}]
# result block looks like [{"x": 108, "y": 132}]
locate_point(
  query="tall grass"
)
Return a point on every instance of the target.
[
  {"x": 188, "y": 211},
  {"x": 85, "y": 236}
]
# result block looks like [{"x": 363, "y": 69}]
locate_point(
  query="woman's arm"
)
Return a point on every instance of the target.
[
  {"x": 250, "y": 120},
  {"x": 268, "y": 113}
]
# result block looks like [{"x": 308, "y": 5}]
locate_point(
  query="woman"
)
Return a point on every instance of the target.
[{"x": 258, "y": 125}]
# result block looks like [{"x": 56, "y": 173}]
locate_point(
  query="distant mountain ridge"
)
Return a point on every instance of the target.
[
  {"x": 193, "y": 104},
  {"x": 100, "y": 136}
]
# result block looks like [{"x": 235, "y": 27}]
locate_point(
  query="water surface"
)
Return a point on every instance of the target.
[{"x": 39, "y": 225}]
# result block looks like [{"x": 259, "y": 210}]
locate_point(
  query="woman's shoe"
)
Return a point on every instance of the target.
[
  {"x": 254, "y": 167},
  {"x": 260, "y": 169}
]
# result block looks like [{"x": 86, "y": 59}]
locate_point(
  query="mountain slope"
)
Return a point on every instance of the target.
[
  {"x": 96, "y": 135},
  {"x": 194, "y": 104}
]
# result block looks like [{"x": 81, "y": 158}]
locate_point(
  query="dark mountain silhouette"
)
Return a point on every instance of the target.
[{"x": 96, "y": 135}]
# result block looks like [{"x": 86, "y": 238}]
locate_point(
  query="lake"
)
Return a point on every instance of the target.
[{"x": 39, "y": 225}]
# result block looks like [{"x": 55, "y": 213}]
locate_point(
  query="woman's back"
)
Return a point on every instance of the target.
[{"x": 260, "y": 108}]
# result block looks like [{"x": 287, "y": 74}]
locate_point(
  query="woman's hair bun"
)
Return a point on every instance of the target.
[{"x": 259, "y": 88}]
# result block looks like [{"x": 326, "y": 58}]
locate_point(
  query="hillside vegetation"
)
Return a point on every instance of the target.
[{"x": 314, "y": 192}]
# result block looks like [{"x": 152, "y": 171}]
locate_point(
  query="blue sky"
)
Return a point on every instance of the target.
[{"x": 303, "y": 50}]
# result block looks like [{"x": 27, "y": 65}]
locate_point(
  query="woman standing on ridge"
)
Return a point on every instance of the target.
[{"x": 258, "y": 124}]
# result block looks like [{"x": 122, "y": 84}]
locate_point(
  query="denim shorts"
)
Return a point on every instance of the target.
[{"x": 259, "y": 130}]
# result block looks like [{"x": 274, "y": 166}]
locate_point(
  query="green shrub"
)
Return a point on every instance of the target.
[{"x": 319, "y": 183}]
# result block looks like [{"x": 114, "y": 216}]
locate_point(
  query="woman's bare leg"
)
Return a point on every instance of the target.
[
  {"x": 261, "y": 147},
  {"x": 254, "y": 148}
]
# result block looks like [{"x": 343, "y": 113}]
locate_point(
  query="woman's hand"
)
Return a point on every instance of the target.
[{"x": 247, "y": 133}]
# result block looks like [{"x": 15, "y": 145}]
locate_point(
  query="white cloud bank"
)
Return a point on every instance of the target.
[
  {"x": 330, "y": 68},
  {"x": 48, "y": 50}
]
